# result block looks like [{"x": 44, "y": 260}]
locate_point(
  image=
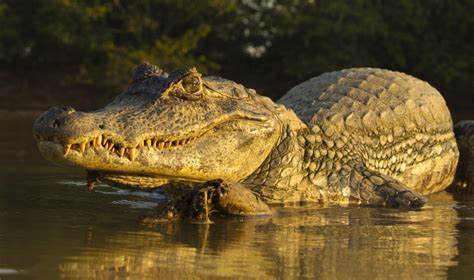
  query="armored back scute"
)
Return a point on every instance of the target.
[{"x": 398, "y": 125}]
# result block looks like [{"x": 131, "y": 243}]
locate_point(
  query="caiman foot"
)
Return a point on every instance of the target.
[
  {"x": 213, "y": 196},
  {"x": 373, "y": 188}
]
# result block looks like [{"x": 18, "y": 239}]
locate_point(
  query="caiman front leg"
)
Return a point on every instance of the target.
[{"x": 212, "y": 196}]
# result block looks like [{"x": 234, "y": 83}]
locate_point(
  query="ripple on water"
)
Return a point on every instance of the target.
[
  {"x": 135, "y": 204},
  {"x": 11, "y": 271},
  {"x": 72, "y": 183},
  {"x": 109, "y": 190}
]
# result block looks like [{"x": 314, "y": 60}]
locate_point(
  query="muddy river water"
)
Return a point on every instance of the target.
[{"x": 52, "y": 227}]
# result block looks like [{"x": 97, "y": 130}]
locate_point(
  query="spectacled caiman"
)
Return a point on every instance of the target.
[{"x": 362, "y": 135}]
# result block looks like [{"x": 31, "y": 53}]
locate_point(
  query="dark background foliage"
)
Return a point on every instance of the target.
[{"x": 83, "y": 51}]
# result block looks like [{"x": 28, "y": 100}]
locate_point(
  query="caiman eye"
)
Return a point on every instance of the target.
[{"x": 191, "y": 84}]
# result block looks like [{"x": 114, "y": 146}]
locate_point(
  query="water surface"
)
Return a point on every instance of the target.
[{"x": 52, "y": 227}]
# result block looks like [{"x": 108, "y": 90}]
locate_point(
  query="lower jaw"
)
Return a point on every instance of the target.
[
  {"x": 114, "y": 169},
  {"x": 134, "y": 181},
  {"x": 138, "y": 181},
  {"x": 172, "y": 188},
  {"x": 119, "y": 177}
]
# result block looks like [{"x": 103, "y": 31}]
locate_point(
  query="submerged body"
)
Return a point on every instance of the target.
[{"x": 364, "y": 134}]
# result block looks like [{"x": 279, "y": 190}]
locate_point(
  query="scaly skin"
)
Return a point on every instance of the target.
[
  {"x": 156, "y": 133},
  {"x": 365, "y": 135},
  {"x": 388, "y": 122}
]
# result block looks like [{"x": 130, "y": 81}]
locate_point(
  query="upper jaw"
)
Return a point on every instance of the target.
[
  {"x": 114, "y": 144},
  {"x": 126, "y": 143}
]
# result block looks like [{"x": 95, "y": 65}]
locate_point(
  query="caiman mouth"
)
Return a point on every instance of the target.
[
  {"x": 113, "y": 145},
  {"x": 154, "y": 158}
]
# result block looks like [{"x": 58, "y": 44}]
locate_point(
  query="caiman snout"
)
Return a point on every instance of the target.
[{"x": 53, "y": 121}]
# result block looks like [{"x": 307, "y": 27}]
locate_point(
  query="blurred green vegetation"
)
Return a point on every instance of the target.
[{"x": 270, "y": 44}]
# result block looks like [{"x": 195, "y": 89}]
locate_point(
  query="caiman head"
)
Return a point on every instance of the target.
[{"x": 165, "y": 128}]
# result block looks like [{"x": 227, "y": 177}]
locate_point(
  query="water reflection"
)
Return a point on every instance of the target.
[{"x": 300, "y": 242}]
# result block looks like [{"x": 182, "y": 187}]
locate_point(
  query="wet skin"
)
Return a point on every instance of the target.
[{"x": 360, "y": 135}]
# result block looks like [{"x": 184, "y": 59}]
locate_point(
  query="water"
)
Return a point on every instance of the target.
[{"x": 52, "y": 227}]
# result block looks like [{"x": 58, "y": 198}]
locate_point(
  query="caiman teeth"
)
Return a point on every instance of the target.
[
  {"x": 117, "y": 148},
  {"x": 67, "y": 148},
  {"x": 161, "y": 145},
  {"x": 82, "y": 146},
  {"x": 132, "y": 153}
]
